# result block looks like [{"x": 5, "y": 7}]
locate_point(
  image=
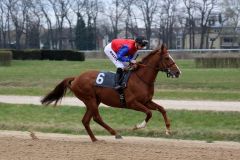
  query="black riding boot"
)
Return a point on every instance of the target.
[{"x": 118, "y": 78}]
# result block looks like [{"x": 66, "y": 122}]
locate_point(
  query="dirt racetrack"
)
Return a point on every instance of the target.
[{"x": 20, "y": 145}]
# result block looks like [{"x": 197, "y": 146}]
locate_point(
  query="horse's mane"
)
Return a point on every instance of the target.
[{"x": 144, "y": 59}]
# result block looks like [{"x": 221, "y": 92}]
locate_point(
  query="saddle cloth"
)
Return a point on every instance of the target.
[{"x": 107, "y": 79}]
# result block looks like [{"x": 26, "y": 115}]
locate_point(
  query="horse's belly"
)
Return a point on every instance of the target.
[{"x": 108, "y": 96}]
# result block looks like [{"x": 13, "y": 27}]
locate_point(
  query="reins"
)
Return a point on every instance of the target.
[
  {"x": 165, "y": 69},
  {"x": 157, "y": 68}
]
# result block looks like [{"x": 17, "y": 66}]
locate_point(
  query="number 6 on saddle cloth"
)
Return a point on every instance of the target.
[{"x": 107, "y": 79}]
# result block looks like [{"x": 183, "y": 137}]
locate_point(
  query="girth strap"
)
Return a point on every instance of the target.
[{"x": 122, "y": 97}]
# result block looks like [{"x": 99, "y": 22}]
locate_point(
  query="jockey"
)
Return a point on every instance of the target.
[{"x": 122, "y": 52}]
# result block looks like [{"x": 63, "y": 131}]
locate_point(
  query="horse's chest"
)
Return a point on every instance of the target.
[{"x": 144, "y": 95}]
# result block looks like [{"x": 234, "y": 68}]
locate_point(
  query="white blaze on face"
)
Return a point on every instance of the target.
[
  {"x": 171, "y": 57},
  {"x": 175, "y": 64}
]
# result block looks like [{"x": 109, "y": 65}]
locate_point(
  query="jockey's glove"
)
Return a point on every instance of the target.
[{"x": 133, "y": 61}]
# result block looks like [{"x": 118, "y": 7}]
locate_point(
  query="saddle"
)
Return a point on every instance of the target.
[{"x": 107, "y": 79}]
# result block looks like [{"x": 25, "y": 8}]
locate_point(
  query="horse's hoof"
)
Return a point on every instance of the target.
[
  {"x": 168, "y": 132},
  {"x": 135, "y": 127},
  {"x": 99, "y": 141},
  {"x": 118, "y": 137},
  {"x": 94, "y": 140},
  {"x": 140, "y": 126}
]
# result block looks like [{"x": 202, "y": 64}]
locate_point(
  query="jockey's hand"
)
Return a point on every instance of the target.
[
  {"x": 133, "y": 61},
  {"x": 133, "y": 65}
]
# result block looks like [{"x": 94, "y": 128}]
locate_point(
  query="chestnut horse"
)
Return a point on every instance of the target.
[{"x": 138, "y": 94}]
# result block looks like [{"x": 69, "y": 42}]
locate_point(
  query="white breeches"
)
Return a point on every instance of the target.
[{"x": 113, "y": 57}]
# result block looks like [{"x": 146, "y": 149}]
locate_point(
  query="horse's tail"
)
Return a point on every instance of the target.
[{"x": 58, "y": 92}]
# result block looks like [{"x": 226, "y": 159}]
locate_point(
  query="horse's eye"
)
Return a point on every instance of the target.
[{"x": 167, "y": 58}]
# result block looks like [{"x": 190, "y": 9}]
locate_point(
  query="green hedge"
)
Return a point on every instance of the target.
[
  {"x": 48, "y": 55},
  {"x": 218, "y": 62},
  {"x": 5, "y": 58},
  {"x": 27, "y": 54},
  {"x": 63, "y": 55}
]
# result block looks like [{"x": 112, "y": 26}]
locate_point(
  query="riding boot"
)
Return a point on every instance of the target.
[{"x": 118, "y": 78}]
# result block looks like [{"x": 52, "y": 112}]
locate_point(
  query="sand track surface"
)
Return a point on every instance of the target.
[{"x": 43, "y": 146}]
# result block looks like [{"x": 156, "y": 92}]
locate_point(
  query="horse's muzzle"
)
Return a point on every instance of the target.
[
  {"x": 177, "y": 74},
  {"x": 174, "y": 74}
]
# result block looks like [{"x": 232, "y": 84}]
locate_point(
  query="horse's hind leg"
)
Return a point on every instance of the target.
[
  {"x": 97, "y": 118},
  {"x": 86, "y": 120},
  {"x": 154, "y": 106}
]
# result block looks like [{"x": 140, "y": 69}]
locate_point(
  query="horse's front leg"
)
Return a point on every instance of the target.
[
  {"x": 154, "y": 106},
  {"x": 140, "y": 107}
]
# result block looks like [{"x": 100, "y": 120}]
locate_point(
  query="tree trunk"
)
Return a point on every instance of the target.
[{"x": 202, "y": 37}]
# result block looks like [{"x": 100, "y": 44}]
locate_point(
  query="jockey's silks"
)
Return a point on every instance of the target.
[{"x": 128, "y": 45}]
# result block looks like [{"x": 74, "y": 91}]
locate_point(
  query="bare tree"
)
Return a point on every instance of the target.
[
  {"x": 232, "y": 12},
  {"x": 60, "y": 9},
  {"x": 69, "y": 18},
  {"x": 204, "y": 9},
  {"x": 1, "y": 23},
  {"x": 6, "y": 23},
  {"x": 183, "y": 30},
  {"x": 148, "y": 8},
  {"x": 190, "y": 23},
  {"x": 4, "y": 12},
  {"x": 115, "y": 14},
  {"x": 70, "y": 31},
  {"x": 78, "y": 6},
  {"x": 45, "y": 9},
  {"x": 232, "y": 16},
  {"x": 169, "y": 19},
  {"x": 93, "y": 7},
  {"x": 17, "y": 11},
  {"x": 32, "y": 25},
  {"x": 130, "y": 24}
]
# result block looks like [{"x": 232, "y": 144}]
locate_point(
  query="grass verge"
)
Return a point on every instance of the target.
[
  {"x": 194, "y": 125},
  {"x": 39, "y": 77}
]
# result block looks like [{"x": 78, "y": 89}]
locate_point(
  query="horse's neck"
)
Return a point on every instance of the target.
[{"x": 149, "y": 73}]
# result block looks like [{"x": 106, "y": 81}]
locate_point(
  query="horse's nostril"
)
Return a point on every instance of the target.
[{"x": 177, "y": 74}]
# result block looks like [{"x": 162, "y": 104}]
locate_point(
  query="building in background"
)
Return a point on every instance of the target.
[{"x": 217, "y": 36}]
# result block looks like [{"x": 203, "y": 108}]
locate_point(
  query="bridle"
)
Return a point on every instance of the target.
[{"x": 166, "y": 69}]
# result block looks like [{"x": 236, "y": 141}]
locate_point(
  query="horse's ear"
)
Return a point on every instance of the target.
[
  {"x": 163, "y": 49},
  {"x": 163, "y": 46}
]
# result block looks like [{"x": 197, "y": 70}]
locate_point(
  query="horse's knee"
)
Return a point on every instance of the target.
[{"x": 85, "y": 122}]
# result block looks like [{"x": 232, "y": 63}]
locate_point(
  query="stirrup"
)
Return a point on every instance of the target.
[{"x": 122, "y": 98}]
